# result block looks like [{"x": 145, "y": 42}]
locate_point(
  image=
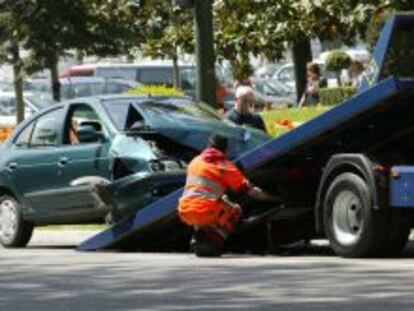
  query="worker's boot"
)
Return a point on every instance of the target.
[{"x": 208, "y": 242}]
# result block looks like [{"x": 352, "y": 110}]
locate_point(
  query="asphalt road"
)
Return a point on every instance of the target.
[{"x": 51, "y": 275}]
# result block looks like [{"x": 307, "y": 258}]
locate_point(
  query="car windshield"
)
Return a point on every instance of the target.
[
  {"x": 269, "y": 87},
  {"x": 127, "y": 114}
]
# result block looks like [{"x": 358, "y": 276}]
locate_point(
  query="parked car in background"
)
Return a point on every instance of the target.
[
  {"x": 149, "y": 139},
  {"x": 152, "y": 73},
  {"x": 33, "y": 103},
  {"x": 267, "y": 92},
  {"x": 267, "y": 71},
  {"x": 74, "y": 87}
]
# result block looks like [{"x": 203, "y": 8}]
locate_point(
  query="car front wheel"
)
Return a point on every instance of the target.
[{"x": 14, "y": 230}]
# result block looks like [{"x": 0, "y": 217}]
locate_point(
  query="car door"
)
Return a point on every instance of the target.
[
  {"x": 79, "y": 159},
  {"x": 32, "y": 167}
]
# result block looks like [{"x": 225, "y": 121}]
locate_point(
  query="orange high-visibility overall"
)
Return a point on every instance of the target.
[{"x": 207, "y": 181}]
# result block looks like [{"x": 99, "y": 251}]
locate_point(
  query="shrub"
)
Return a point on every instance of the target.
[
  {"x": 160, "y": 90},
  {"x": 335, "y": 95},
  {"x": 336, "y": 61}
]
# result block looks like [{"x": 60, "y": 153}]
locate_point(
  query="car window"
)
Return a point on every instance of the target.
[
  {"x": 65, "y": 91},
  {"x": 116, "y": 88},
  {"x": 155, "y": 76},
  {"x": 23, "y": 138},
  {"x": 79, "y": 115},
  {"x": 287, "y": 74},
  {"x": 87, "y": 89},
  {"x": 128, "y": 73},
  {"x": 188, "y": 78},
  {"x": 46, "y": 130},
  {"x": 7, "y": 106}
]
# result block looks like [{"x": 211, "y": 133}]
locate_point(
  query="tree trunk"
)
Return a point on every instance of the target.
[
  {"x": 54, "y": 78},
  {"x": 176, "y": 72},
  {"x": 18, "y": 81},
  {"x": 338, "y": 78},
  {"x": 302, "y": 54},
  {"x": 206, "y": 79}
]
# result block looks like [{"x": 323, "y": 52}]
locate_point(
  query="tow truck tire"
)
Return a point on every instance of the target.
[
  {"x": 353, "y": 227},
  {"x": 14, "y": 230}
]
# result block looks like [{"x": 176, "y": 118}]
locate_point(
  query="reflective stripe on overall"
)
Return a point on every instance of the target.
[{"x": 205, "y": 188}]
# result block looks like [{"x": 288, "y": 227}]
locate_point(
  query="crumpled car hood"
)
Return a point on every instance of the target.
[{"x": 195, "y": 134}]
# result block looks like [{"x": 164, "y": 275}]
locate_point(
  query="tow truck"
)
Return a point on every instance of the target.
[{"x": 346, "y": 175}]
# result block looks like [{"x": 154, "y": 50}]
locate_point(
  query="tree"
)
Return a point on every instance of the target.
[
  {"x": 12, "y": 33},
  {"x": 337, "y": 61},
  {"x": 168, "y": 30},
  {"x": 93, "y": 27}
]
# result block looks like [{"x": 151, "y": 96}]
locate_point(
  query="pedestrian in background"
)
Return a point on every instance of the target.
[
  {"x": 355, "y": 74},
  {"x": 241, "y": 113},
  {"x": 315, "y": 81}
]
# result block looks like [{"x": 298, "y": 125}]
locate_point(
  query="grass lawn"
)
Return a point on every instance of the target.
[{"x": 295, "y": 115}]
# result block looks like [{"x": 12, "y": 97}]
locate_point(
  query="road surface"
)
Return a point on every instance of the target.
[{"x": 51, "y": 275}]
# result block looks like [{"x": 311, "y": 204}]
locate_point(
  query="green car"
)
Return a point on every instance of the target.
[{"x": 133, "y": 140}]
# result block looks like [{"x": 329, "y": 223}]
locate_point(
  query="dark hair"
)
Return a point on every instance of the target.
[
  {"x": 313, "y": 68},
  {"x": 219, "y": 142}
]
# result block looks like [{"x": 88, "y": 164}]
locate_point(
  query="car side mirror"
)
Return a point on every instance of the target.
[{"x": 88, "y": 134}]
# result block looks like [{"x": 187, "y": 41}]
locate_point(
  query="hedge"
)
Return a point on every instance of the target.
[
  {"x": 160, "y": 90},
  {"x": 335, "y": 95}
]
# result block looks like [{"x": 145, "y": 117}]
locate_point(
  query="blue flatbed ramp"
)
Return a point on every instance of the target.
[
  {"x": 153, "y": 217},
  {"x": 359, "y": 125}
]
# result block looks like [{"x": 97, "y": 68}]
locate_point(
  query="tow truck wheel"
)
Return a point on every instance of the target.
[
  {"x": 14, "y": 230},
  {"x": 353, "y": 227}
]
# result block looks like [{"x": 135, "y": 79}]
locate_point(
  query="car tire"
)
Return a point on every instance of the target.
[
  {"x": 14, "y": 230},
  {"x": 353, "y": 228}
]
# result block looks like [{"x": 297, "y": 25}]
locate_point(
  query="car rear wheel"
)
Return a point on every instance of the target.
[
  {"x": 353, "y": 227},
  {"x": 14, "y": 230}
]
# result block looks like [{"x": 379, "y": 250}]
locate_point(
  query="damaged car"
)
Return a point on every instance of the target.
[{"x": 138, "y": 144}]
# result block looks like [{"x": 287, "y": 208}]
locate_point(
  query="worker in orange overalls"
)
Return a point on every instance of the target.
[{"x": 204, "y": 204}]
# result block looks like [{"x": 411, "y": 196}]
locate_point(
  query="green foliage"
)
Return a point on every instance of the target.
[
  {"x": 335, "y": 95},
  {"x": 374, "y": 27},
  {"x": 337, "y": 60},
  {"x": 155, "y": 90},
  {"x": 166, "y": 28},
  {"x": 242, "y": 71},
  {"x": 295, "y": 115}
]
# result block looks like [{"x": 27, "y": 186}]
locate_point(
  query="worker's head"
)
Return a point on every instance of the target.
[
  {"x": 244, "y": 98},
  {"x": 218, "y": 142}
]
